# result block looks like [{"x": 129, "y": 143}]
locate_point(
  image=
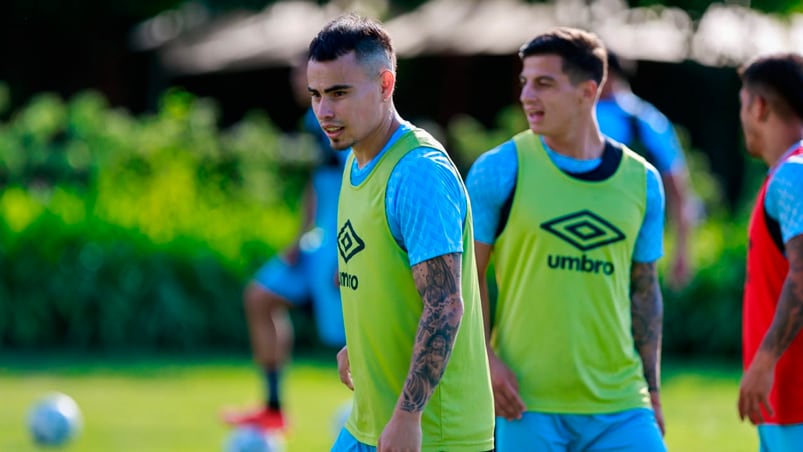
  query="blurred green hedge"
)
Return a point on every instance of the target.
[{"x": 137, "y": 232}]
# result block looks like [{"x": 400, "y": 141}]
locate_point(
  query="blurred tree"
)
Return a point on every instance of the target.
[
  {"x": 66, "y": 46},
  {"x": 696, "y": 8}
]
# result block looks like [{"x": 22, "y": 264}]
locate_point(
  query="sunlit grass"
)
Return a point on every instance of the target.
[
  {"x": 699, "y": 403},
  {"x": 172, "y": 405},
  {"x": 159, "y": 405}
]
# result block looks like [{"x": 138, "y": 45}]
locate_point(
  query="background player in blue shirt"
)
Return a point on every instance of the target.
[
  {"x": 305, "y": 272},
  {"x": 632, "y": 121}
]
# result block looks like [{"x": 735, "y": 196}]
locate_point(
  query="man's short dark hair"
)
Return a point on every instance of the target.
[
  {"x": 366, "y": 37},
  {"x": 777, "y": 77},
  {"x": 583, "y": 53}
]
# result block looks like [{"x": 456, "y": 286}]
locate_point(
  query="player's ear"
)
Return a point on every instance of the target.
[
  {"x": 589, "y": 90},
  {"x": 387, "y": 82},
  {"x": 762, "y": 107}
]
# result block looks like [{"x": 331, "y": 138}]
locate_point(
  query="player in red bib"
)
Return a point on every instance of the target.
[{"x": 771, "y": 391}]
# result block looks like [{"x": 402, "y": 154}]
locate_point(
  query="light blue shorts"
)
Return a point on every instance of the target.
[
  {"x": 346, "y": 442},
  {"x": 311, "y": 279},
  {"x": 633, "y": 430},
  {"x": 780, "y": 438}
]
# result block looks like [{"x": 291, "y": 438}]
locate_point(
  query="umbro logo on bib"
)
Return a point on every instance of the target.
[
  {"x": 348, "y": 242},
  {"x": 584, "y": 230}
]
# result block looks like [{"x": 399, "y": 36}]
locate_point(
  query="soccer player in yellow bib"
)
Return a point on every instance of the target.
[
  {"x": 574, "y": 223},
  {"x": 415, "y": 345}
]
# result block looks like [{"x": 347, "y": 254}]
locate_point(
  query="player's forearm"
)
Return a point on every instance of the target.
[
  {"x": 682, "y": 224},
  {"x": 677, "y": 203},
  {"x": 438, "y": 282},
  {"x": 788, "y": 320},
  {"x": 647, "y": 312}
]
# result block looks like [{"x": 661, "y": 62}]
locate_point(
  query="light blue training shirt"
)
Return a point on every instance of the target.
[
  {"x": 425, "y": 202},
  {"x": 784, "y": 199},
  {"x": 619, "y": 115},
  {"x": 492, "y": 178}
]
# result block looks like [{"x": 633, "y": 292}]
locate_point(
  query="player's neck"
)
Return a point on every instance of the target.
[
  {"x": 584, "y": 143},
  {"x": 781, "y": 140},
  {"x": 370, "y": 146}
]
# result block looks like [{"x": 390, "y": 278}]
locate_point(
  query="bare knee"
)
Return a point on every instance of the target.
[{"x": 260, "y": 302}]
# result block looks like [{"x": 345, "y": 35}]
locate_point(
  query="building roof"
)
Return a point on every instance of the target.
[{"x": 189, "y": 41}]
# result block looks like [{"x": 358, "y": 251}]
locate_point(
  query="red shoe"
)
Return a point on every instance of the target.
[{"x": 264, "y": 418}]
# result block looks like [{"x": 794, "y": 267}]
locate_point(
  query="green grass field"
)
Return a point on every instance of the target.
[{"x": 153, "y": 404}]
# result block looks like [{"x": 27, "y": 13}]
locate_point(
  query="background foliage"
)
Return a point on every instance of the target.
[
  {"x": 137, "y": 231},
  {"x": 140, "y": 231}
]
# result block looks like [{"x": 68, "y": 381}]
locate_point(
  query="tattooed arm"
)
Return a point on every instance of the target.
[
  {"x": 756, "y": 383},
  {"x": 647, "y": 312},
  {"x": 438, "y": 282}
]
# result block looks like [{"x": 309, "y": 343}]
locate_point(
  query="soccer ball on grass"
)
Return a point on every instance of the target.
[
  {"x": 54, "y": 420},
  {"x": 253, "y": 439}
]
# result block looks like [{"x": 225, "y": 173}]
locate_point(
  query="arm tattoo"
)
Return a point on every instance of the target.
[
  {"x": 438, "y": 282},
  {"x": 788, "y": 318},
  {"x": 647, "y": 312}
]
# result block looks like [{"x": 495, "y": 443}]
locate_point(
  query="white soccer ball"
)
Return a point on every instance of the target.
[
  {"x": 54, "y": 420},
  {"x": 252, "y": 439}
]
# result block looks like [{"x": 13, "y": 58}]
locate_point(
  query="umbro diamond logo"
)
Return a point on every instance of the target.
[
  {"x": 584, "y": 230},
  {"x": 348, "y": 242}
]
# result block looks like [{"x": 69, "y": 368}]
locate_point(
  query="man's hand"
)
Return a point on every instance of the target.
[
  {"x": 507, "y": 402},
  {"x": 402, "y": 433},
  {"x": 343, "y": 369},
  {"x": 655, "y": 401},
  {"x": 754, "y": 390}
]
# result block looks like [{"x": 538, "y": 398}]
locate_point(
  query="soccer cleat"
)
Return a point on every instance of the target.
[{"x": 265, "y": 418}]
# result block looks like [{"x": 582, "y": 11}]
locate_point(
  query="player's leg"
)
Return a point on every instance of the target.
[
  {"x": 627, "y": 431},
  {"x": 271, "y": 334},
  {"x": 780, "y": 438},
  {"x": 533, "y": 432},
  {"x": 275, "y": 288}
]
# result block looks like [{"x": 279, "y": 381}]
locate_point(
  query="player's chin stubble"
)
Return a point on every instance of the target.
[{"x": 340, "y": 145}]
